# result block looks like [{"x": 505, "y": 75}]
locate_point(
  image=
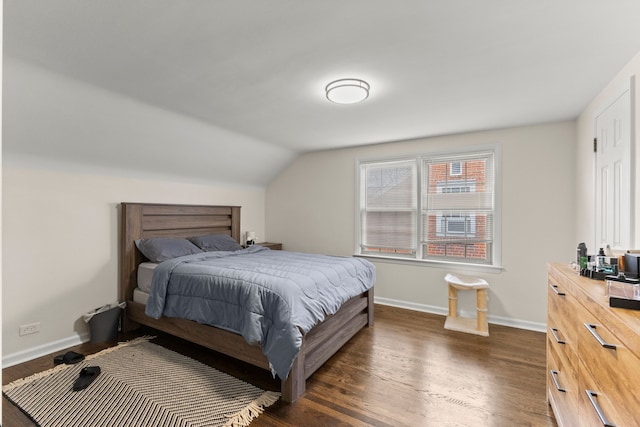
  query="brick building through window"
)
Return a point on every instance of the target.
[
  {"x": 458, "y": 233},
  {"x": 429, "y": 207}
]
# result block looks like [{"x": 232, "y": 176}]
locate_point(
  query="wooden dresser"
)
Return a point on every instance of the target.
[{"x": 593, "y": 353}]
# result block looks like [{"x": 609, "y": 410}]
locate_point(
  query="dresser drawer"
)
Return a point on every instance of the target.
[
  {"x": 561, "y": 307},
  {"x": 614, "y": 370},
  {"x": 598, "y": 407},
  {"x": 562, "y": 382}
]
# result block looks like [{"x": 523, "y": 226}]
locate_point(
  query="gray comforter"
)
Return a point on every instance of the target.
[{"x": 269, "y": 297}]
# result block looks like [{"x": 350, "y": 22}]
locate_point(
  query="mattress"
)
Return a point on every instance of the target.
[
  {"x": 140, "y": 296},
  {"x": 145, "y": 275}
]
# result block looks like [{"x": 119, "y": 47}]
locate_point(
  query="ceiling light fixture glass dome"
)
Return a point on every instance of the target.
[{"x": 347, "y": 91}]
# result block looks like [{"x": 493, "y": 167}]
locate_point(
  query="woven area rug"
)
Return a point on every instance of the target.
[{"x": 141, "y": 384}]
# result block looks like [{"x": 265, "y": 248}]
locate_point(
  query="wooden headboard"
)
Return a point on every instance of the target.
[{"x": 143, "y": 220}]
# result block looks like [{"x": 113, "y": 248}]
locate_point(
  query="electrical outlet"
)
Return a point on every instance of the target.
[{"x": 31, "y": 328}]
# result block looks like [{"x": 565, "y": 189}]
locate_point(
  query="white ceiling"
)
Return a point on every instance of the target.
[{"x": 258, "y": 68}]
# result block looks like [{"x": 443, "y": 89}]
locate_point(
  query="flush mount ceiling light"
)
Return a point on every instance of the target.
[{"x": 347, "y": 91}]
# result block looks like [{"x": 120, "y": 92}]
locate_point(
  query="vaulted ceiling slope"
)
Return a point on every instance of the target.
[{"x": 250, "y": 74}]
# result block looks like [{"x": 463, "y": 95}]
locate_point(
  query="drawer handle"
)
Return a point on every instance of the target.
[
  {"x": 592, "y": 328},
  {"x": 554, "y": 332},
  {"x": 554, "y": 377},
  {"x": 557, "y": 291},
  {"x": 592, "y": 395}
]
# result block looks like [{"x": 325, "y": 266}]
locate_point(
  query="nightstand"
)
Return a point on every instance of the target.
[{"x": 270, "y": 245}]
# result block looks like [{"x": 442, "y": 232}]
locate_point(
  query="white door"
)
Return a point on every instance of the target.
[{"x": 613, "y": 175}]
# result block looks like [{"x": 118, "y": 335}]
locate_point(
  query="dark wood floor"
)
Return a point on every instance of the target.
[{"x": 405, "y": 371}]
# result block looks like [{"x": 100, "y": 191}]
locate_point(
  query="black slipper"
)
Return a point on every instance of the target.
[
  {"x": 69, "y": 358},
  {"x": 87, "y": 375}
]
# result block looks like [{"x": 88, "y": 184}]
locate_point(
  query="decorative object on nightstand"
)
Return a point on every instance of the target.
[
  {"x": 251, "y": 238},
  {"x": 454, "y": 322}
]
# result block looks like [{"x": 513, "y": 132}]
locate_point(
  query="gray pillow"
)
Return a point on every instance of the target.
[
  {"x": 216, "y": 242},
  {"x": 159, "y": 249}
]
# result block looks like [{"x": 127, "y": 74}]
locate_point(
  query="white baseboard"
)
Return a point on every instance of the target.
[
  {"x": 43, "y": 350},
  {"x": 498, "y": 320}
]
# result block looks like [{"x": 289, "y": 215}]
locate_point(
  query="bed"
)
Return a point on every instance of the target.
[{"x": 143, "y": 220}]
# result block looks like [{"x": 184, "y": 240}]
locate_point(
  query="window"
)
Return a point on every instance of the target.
[
  {"x": 430, "y": 207},
  {"x": 456, "y": 168},
  {"x": 456, "y": 224},
  {"x": 389, "y": 207}
]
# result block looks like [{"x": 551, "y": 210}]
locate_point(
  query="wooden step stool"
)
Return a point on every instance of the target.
[{"x": 479, "y": 325}]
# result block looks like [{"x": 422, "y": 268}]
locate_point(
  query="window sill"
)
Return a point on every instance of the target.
[{"x": 458, "y": 266}]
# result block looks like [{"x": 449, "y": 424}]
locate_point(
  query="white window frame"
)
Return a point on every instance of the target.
[{"x": 496, "y": 250}]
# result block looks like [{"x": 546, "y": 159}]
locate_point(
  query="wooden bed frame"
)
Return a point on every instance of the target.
[{"x": 142, "y": 220}]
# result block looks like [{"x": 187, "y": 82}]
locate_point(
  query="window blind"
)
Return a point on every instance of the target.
[{"x": 388, "y": 207}]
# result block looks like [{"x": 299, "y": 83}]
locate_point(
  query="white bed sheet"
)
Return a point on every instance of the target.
[{"x": 145, "y": 274}]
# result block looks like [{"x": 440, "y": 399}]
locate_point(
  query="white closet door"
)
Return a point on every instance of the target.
[{"x": 613, "y": 175}]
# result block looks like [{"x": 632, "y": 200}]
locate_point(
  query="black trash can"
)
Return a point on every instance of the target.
[{"x": 104, "y": 326}]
